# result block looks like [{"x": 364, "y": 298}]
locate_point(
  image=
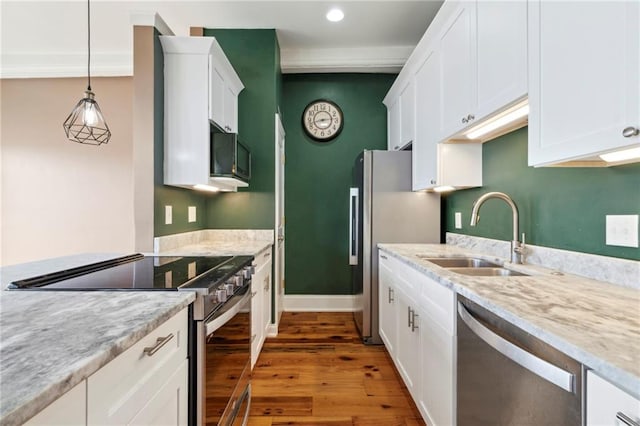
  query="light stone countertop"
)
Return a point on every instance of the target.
[
  {"x": 52, "y": 340},
  {"x": 220, "y": 248},
  {"x": 596, "y": 323}
]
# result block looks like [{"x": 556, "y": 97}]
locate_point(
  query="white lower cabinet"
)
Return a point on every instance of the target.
[
  {"x": 148, "y": 384},
  {"x": 417, "y": 326},
  {"x": 147, "y": 381},
  {"x": 260, "y": 302},
  {"x": 438, "y": 370},
  {"x": 407, "y": 355},
  {"x": 609, "y": 405},
  {"x": 68, "y": 410},
  {"x": 387, "y": 303}
]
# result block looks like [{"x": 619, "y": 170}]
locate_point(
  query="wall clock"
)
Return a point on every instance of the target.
[{"x": 322, "y": 120}]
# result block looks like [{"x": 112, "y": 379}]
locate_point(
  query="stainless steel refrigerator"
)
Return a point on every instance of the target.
[{"x": 383, "y": 209}]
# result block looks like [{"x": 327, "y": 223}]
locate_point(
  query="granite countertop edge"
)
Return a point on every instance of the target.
[
  {"x": 22, "y": 412},
  {"x": 220, "y": 248},
  {"x": 624, "y": 379}
]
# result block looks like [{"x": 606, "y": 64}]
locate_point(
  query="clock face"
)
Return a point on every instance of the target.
[{"x": 322, "y": 120}]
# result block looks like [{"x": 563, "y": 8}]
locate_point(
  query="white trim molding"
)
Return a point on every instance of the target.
[
  {"x": 151, "y": 19},
  {"x": 319, "y": 303},
  {"x": 368, "y": 60}
]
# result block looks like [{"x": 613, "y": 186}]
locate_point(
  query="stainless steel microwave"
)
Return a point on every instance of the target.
[{"x": 229, "y": 157}]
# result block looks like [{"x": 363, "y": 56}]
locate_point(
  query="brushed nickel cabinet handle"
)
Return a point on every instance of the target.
[
  {"x": 383, "y": 256},
  {"x": 408, "y": 316},
  {"x": 160, "y": 342},
  {"x": 630, "y": 131},
  {"x": 414, "y": 327},
  {"x": 624, "y": 419},
  {"x": 391, "y": 299},
  {"x": 465, "y": 120}
]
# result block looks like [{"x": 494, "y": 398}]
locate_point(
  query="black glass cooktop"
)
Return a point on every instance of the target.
[{"x": 138, "y": 272}]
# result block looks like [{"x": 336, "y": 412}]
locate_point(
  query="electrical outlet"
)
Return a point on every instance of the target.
[
  {"x": 458, "y": 220},
  {"x": 622, "y": 230},
  {"x": 168, "y": 215},
  {"x": 192, "y": 214}
]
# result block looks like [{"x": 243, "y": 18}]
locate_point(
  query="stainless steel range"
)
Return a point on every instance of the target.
[{"x": 220, "y": 332}]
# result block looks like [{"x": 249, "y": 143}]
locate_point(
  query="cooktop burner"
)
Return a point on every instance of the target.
[{"x": 138, "y": 272}]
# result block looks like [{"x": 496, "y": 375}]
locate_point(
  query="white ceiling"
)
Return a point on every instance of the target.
[{"x": 48, "y": 37}]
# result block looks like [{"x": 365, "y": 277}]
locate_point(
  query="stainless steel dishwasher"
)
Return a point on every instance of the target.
[{"x": 505, "y": 376}]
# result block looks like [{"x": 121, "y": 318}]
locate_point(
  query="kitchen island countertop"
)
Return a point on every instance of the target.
[
  {"x": 52, "y": 340},
  {"x": 596, "y": 323}
]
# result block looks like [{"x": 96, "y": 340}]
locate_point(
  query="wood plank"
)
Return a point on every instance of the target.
[{"x": 318, "y": 372}]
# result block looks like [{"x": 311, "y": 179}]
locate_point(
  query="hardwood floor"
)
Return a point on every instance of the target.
[{"x": 317, "y": 372}]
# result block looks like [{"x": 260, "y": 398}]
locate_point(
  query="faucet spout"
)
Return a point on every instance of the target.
[{"x": 516, "y": 246}]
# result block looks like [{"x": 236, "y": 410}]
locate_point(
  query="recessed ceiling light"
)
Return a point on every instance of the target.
[{"x": 335, "y": 15}]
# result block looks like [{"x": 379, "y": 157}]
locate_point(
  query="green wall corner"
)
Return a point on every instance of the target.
[
  {"x": 318, "y": 176},
  {"x": 563, "y": 208},
  {"x": 254, "y": 55}
]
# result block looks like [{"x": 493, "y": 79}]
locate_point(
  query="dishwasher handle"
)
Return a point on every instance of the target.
[{"x": 547, "y": 371}]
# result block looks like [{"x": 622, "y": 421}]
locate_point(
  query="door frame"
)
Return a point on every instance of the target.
[{"x": 279, "y": 225}]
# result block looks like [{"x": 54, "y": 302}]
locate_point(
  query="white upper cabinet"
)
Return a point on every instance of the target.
[
  {"x": 501, "y": 59},
  {"x": 199, "y": 85},
  {"x": 424, "y": 158},
  {"x": 401, "y": 117},
  {"x": 483, "y": 48},
  {"x": 223, "y": 92},
  {"x": 393, "y": 125},
  {"x": 456, "y": 43},
  {"x": 584, "y": 85},
  {"x": 407, "y": 114}
]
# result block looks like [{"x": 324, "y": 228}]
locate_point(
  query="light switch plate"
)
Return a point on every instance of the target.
[
  {"x": 168, "y": 215},
  {"x": 458, "y": 217},
  {"x": 192, "y": 214},
  {"x": 622, "y": 230}
]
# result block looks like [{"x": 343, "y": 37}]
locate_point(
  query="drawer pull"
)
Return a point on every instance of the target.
[
  {"x": 626, "y": 420},
  {"x": 391, "y": 295},
  {"x": 160, "y": 342},
  {"x": 383, "y": 256},
  {"x": 267, "y": 254}
]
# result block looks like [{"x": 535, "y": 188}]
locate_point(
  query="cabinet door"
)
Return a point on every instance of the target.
[
  {"x": 393, "y": 132},
  {"x": 68, "y": 410},
  {"x": 256, "y": 313},
  {"x": 605, "y": 401},
  {"x": 408, "y": 349},
  {"x": 407, "y": 113},
  {"x": 266, "y": 304},
  {"x": 168, "y": 406},
  {"x": 501, "y": 54},
  {"x": 437, "y": 396},
  {"x": 217, "y": 91},
  {"x": 231, "y": 110},
  {"x": 457, "y": 55},
  {"x": 387, "y": 306},
  {"x": 424, "y": 152},
  {"x": 584, "y": 78}
]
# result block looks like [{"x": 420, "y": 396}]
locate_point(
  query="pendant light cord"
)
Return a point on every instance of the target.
[{"x": 89, "y": 44}]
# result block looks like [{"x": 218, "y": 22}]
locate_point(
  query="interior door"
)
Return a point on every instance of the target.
[{"x": 280, "y": 220}]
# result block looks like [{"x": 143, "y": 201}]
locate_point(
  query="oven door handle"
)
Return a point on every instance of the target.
[{"x": 218, "y": 321}]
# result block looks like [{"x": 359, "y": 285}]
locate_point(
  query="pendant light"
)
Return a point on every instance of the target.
[{"x": 86, "y": 123}]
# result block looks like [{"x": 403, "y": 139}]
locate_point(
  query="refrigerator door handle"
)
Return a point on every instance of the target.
[{"x": 353, "y": 226}]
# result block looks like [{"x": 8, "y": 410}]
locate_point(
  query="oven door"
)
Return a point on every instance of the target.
[{"x": 226, "y": 369}]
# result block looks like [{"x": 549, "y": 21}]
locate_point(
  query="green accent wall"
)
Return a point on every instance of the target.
[
  {"x": 562, "y": 208},
  {"x": 180, "y": 199},
  {"x": 255, "y": 55},
  {"x": 318, "y": 176}
]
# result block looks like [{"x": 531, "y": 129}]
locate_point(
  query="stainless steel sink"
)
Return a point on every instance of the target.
[
  {"x": 488, "y": 272},
  {"x": 460, "y": 262}
]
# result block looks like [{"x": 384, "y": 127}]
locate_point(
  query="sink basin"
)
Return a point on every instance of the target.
[
  {"x": 488, "y": 272},
  {"x": 460, "y": 262}
]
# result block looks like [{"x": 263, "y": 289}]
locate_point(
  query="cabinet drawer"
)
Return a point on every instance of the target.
[
  {"x": 262, "y": 259},
  {"x": 120, "y": 389},
  {"x": 606, "y": 401}
]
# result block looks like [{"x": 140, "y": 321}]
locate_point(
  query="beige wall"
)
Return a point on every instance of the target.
[{"x": 59, "y": 197}]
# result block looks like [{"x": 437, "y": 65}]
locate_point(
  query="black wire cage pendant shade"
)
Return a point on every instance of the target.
[{"x": 86, "y": 124}]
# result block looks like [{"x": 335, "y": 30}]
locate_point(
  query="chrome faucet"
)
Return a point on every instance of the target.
[{"x": 517, "y": 247}]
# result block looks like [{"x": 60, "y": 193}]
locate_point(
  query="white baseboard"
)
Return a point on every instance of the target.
[
  {"x": 319, "y": 303},
  {"x": 272, "y": 330}
]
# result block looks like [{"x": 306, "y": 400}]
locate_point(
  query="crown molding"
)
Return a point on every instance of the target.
[
  {"x": 368, "y": 60},
  {"x": 151, "y": 19},
  {"x": 65, "y": 64}
]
